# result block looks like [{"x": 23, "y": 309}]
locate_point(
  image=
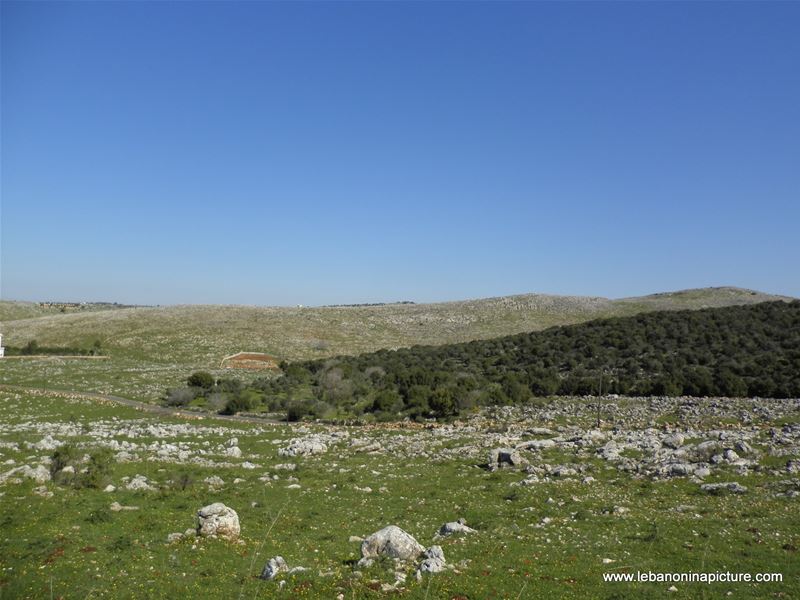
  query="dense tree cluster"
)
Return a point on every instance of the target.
[{"x": 735, "y": 351}]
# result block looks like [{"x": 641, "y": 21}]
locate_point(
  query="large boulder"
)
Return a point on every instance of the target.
[
  {"x": 218, "y": 520},
  {"x": 392, "y": 542}
]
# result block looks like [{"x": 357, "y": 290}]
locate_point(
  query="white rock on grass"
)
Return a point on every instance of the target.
[
  {"x": 233, "y": 451},
  {"x": 501, "y": 457},
  {"x": 434, "y": 561},
  {"x": 304, "y": 447},
  {"x": 218, "y": 520},
  {"x": 46, "y": 443},
  {"x": 139, "y": 483},
  {"x": 729, "y": 486},
  {"x": 391, "y": 542},
  {"x": 274, "y": 566},
  {"x": 454, "y": 527},
  {"x": 40, "y": 474}
]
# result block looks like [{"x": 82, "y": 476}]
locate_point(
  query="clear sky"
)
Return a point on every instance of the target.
[{"x": 313, "y": 153}]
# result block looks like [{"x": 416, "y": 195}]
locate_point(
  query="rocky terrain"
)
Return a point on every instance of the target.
[{"x": 383, "y": 507}]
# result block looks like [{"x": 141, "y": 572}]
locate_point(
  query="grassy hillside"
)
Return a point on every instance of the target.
[
  {"x": 202, "y": 335},
  {"x": 13, "y": 310},
  {"x": 151, "y": 348}
]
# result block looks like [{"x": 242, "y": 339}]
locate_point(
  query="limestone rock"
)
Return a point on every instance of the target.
[
  {"x": 40, "y": 474},
  {"x": 218, "y": 520},
  {"x": 434, "y": 561},
  {"x": 139, "y": 483},
  {"x": 390, "y": 541},
  {"x": 730, "y": 486},
  {"x": 500, "y": 457},
  {"x": 304, "y": 447},
  {"x": 273, "y": 567},
  {"x": 454, "y": 527},
  {"x": 674, "y": 441}
]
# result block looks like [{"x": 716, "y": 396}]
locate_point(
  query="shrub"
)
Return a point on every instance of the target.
[
  {"x": 67, "y": 455},
  {"x": 245, "y": 401},
  {"x": 297, "y": 409},
  {"x": 98, "y": 469},
  {"x": 94, "y": 473},
  {"x": 201, "y": 379},
  {"x": 181, "y": 396}
]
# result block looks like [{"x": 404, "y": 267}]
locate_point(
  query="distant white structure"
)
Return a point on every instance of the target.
[{"x": 2, "y": 350}]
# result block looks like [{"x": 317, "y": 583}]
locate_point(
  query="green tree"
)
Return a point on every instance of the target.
[{"x": 201, "y": 379}]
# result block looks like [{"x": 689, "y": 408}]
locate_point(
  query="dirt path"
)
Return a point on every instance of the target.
[{"x": 143, "y": 406}]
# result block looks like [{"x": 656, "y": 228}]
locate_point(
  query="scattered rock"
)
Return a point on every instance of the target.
[
  {"x": 46, "y": 443},
  {"x": 434, "y": 561},
  {"x": 139, "y": 483},
  {"x": 501, "y": 457},
  {"x": 674, "y": 441},
  {"x": 454, "y": 527},
  {"x": 717, "y": 488},
  {"x": 218, "y": 520},
  {"x": 304, "y": 447},
  {"x": 233, "y": 451},
  {"x": 43, "y": 491},
  {"x": 390, "y": 541},
  {"x": 273, "y": 567}
]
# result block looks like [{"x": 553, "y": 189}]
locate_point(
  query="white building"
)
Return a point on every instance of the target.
[{"x": 2, "y": 350}]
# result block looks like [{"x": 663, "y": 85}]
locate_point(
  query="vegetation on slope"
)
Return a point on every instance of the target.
[
  {"x": 200, "y": 336},
  {"x": 735, "y": 351}
]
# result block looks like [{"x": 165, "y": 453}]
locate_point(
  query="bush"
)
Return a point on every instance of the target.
[
  {"x": 245, "y": 401},
  {"x": 98, "y": 469},
  {"x": 201, "y": 379},
  {"x": 94, "y": 473},
  {"x": 181, "y": 396},
  {"x": 67, "y": 455},
  {"x": 297, "y": 409}
]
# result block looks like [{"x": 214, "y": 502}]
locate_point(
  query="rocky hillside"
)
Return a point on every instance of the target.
[{"x": 202, "y": 335}]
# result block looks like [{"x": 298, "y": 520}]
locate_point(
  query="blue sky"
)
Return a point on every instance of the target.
[{"x": 284, "y": 153}]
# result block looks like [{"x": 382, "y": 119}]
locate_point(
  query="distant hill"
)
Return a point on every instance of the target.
[
  {"x": 12, "y": 310},
  {"x": 201, "y": 335}
]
